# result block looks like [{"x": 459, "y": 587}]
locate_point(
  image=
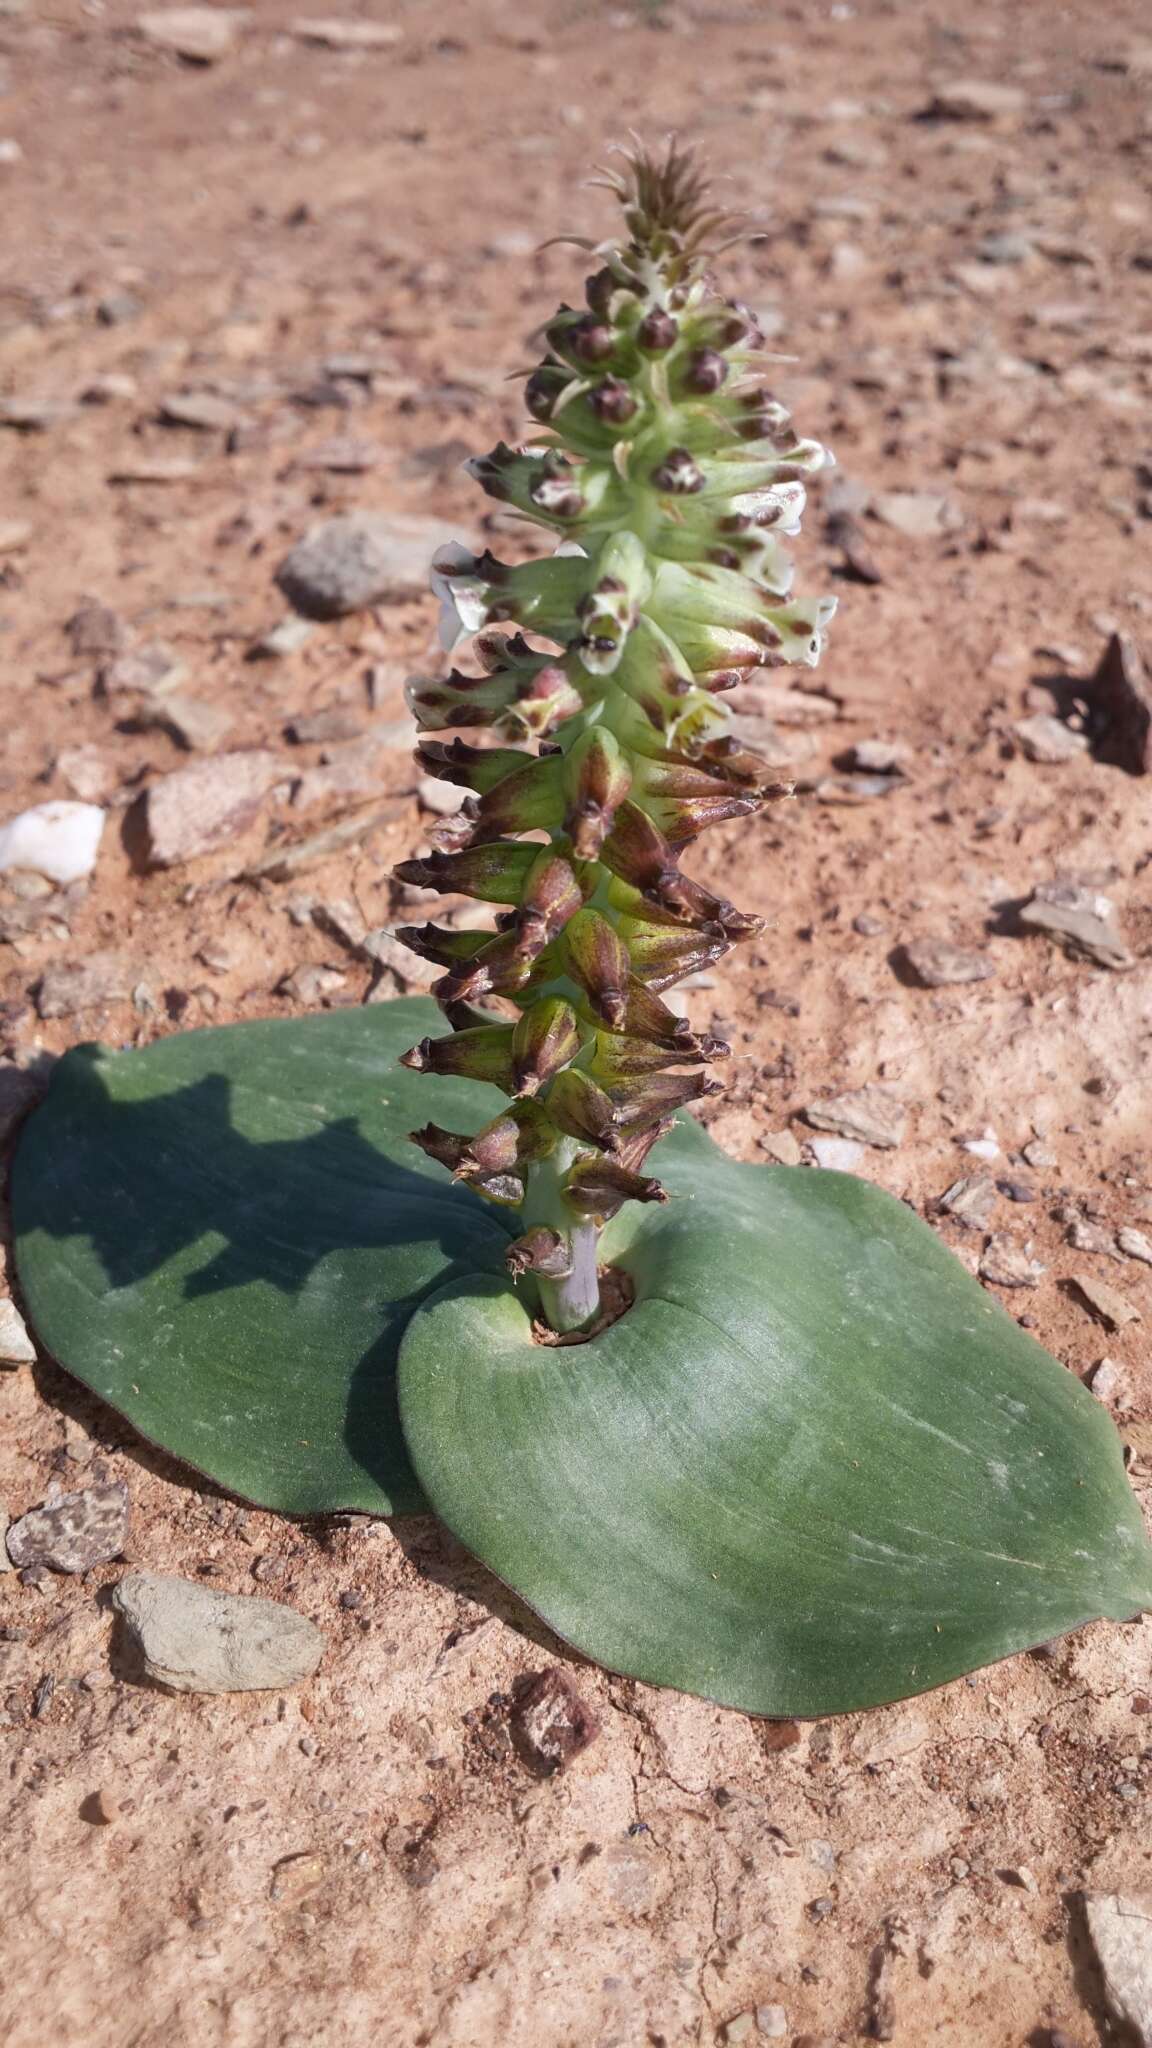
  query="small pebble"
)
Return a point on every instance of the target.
[
  {"x": 741, "y": 2028},
  {"x": 287, "y": 637},
  {"x": 972, "y": 1201},
  {"x": 871, "y": 1115},
  {"x": 1105, "y": 1303},
  {"x": 836, "y": 1155},
  {"x": 74, "y": 1532},
  {"x": 550, "y": 1723},
  {"x": 58, "y": 839},
  {"x": 445, "y": 798},
  {"x": 1086, "y": 1236},
  {"x": 16, "y": 1346},
  {"x": 1008, "y": 1265},
  {"x": 1037, "y": 1153},
  {"x": 986, "y": 1146},
  {"x": 102, "y": 1807},
  {"x": 782, "y": 1147}
]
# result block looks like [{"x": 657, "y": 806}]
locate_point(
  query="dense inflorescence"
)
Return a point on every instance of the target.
[{"x": 670, "y": 473}]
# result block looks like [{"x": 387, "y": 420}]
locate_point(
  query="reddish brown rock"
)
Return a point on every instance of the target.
[
  {"x": 197, "y": 809},
  {"x": 75, "y": 1532},
  {"x": 550, "y": 1722}
]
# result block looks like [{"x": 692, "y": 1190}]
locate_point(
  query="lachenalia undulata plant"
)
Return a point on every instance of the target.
[
  {"x": 816, "y": 1467},
  {"x": 671, "y": 475}
]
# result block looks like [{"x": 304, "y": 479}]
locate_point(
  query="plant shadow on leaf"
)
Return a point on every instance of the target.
[{"x": 238, "y": 1293}]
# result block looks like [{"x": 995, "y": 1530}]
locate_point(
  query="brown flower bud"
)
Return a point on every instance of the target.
[
  {"x": 582, "y": 1110},
  {"x": 703, "y": 373},
  {"x": 447, "y": 1148},
  {"x": 543, "y": 389},
  {"x": 600, "y": 289},
  {"x": 445, "y": 948},
  {"x": 661, "y": 955},
  {"x": 599, "y": 1187},
  {"x": 500, "y": 966},
  {"x": 612, "y": 402},
  {"x": 476, "y": 768},
  {"x": 496, "y": 873},
  {"x": 540, "y": 1250},
  {"x": 542, "y": 702},
  {"x": 645, "y": 1016},
  {"x": 580, "y": 338},
  {"x": 657, "y": 332},
  {"x": 678, "y": 473},
  {"x": 682, "y": 819},
  {"x": 615, "y": 1057},
  {"x": 527, "y": 799},
  {"x": 597, "y": 778},
  {"x": 596, "y": 957},
  {"x": 550, "y": 895},
  {"x": 481, "y": 1053},
  {"x": 544, "y": 1038},
  {"x": 649, "y": 1098}
]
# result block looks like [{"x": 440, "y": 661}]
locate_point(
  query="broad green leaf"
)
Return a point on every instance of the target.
[
  {"x": 224, "y": 1235},
  {"x": 814, "y": 1468}
]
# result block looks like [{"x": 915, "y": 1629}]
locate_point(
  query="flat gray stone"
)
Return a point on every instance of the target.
[
  {"x": 204, "y": 410},
  {"x": 197, "y": 809},
  {"x": 1121, "y": 1932},
  {"x": 16, "y": 1346},
  {"x": 918, "y": 515},
  {"x": 1009, "y": 1265},
  {"x": 836, "y": 1155},
  {"x": 194, "y": 1639},
  {"x": 871, "y": 1115},
  {"x": 940, "y": 964},
  {"x": 86, "y": 984},
  {"x": 286, "y": 637},
  {"x": 75, "y": 1532},
  {"x": 972, "y": 1201},
  {"x": 1080, "y": 920},
  {"x": 977, "y": 99},
  {"x": 1106, "y": 1304},
  {"x": 346, "y": 564},
  {"x": 192, "y": 723},
  {"x": 337, "y": 34},
  {"x": 201, "y": 35},
  {"x": 1048, "y": 740}
]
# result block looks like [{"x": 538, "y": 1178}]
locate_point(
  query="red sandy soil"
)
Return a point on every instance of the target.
[{"x": 243, "y": 223}]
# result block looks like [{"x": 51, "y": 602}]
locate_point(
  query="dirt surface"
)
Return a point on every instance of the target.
[{"x": 969, "y": 305}]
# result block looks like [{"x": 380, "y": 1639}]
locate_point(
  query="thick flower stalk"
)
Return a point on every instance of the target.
[{"x": 670, "y": 473}]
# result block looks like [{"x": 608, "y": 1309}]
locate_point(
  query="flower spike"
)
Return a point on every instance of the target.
[{"x": 671, "y": 476}]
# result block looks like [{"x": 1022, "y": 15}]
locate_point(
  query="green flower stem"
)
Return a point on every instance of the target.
[{"x": 571, "y": 1301}]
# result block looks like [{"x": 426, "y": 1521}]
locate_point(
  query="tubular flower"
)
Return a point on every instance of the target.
[{"x": 670, "y": 475}]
